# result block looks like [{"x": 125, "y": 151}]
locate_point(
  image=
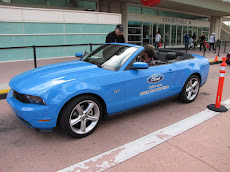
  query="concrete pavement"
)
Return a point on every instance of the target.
[
  {"x": 203, "y": 147},
  {"x": 140, "y": 154}
]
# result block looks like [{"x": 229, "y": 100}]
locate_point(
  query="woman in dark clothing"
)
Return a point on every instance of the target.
[
  {"x": 202, "y": 39},
  {"x": 194, "y": 40}
]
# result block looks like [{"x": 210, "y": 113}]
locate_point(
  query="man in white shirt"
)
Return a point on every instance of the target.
[
  {"x": 157, "y": 40},
  {"x": 212, "y": 42}
]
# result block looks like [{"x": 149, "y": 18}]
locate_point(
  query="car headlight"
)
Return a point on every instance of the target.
[{"x": 35, "y": 100}]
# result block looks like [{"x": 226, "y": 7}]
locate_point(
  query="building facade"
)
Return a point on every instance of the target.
[{"x": 61, "y": 22}]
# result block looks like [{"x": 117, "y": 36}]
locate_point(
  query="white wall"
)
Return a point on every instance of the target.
[{"x": 22, "y": 14}]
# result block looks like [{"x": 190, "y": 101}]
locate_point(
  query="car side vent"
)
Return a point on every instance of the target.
[{"x": 20, "y": 97}]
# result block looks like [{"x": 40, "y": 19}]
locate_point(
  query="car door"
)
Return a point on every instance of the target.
[{"x": 143, "y": 86}]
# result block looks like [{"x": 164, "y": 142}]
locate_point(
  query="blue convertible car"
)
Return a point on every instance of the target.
[{"x": 108, "y": 80}]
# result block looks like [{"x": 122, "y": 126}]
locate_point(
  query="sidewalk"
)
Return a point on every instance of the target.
[
  {"x": 204, "y": 148},
  {"x": 198, "y": 143},
  {"x": 11, "y": 69}
]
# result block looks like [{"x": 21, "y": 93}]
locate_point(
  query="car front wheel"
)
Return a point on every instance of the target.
[
  {"x": 191, "y": 89},
  {"x": 81, "y": 116}
]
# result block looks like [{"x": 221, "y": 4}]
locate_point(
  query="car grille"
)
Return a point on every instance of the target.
[{"x": 20, "y": 97}]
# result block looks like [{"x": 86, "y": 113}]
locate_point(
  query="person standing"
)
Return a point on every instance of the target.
[
  {"x": 157, "y": 40},
  {"x": 194, "y": 41},
  {"x": 212, "y": 42},
  {"x": 186, "y": 40},
  {"x": 117, "y": 35},
  {"x": 191, "y": 44},
  {"x": 202, "y": 40}
]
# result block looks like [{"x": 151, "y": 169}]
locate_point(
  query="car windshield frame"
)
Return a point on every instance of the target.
[{"x": 110, "y": 56}]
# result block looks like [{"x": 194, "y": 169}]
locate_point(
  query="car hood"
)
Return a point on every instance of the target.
[{"x": 42, "y": 78}]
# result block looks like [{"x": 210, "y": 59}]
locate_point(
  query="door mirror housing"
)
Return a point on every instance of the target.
[
  {"x": 140, "y": 65},
  {"x": 79, "y": 54}
]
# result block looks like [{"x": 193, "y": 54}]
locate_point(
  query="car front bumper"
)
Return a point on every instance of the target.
[{"x": 33, "y": 115}]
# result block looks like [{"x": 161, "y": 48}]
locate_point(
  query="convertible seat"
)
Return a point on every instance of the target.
[
  {"x": 171, "y": 56},
  {"x": 162, "y": 56}
]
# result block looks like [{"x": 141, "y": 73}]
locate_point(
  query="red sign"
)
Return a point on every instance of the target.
[{"x": 150, "y": 2}]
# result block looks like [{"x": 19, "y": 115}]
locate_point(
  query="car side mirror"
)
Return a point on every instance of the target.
[
  {"x": 79, "y": 54},
  {"x": 140, "y": 65}
]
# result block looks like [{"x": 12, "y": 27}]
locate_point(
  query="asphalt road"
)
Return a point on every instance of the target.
[{"x": 23, "y": 149}]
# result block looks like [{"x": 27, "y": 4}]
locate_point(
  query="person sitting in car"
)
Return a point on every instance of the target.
[{"x": 148, "y": 55}]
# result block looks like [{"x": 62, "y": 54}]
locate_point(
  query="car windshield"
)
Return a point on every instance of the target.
[{"x": 110, "y": 56}]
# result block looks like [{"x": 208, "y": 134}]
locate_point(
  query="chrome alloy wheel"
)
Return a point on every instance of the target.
[
  {"x": 84, "y": 117},
  {"x": 192, "y": 89}
]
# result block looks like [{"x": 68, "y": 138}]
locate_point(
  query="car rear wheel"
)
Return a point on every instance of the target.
[
  {"x": 191, "y": 89},
  {"x": 81, "y": 116}
]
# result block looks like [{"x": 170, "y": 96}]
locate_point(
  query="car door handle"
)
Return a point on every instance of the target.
[{"x": 170, "y": 70}]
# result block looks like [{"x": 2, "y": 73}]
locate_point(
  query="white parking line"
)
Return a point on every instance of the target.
[{"x": 115, "y": 156}]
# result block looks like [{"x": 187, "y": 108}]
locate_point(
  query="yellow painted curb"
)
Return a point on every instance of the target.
[
  {"x": 4, "y": 91},
  {"x": 216, "y": 61}
]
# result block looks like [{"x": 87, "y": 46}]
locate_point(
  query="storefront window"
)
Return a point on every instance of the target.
[
  {"x": 87, "y": 5},
  {"x": 132, "y": 9},
  {"x": 173, "y": 37},
  {"x": 199, "y": 32},
  {"x": 167, "y": 33},
  {"x": 147, "y": 33},
  {"x": 155, "y": 32},
  {"x": 149, "y": 11},
  {"x": 205, "y": 31},
  {"x": 161, "y": 31},
  {"x": 135, "y": 32},
  {"x": 195, "y": 31},
  {"x": 55, "y": 3},
  {"x": 134, "y": 23},
  {"x": 189, "y": 31},
  {"x": 29, "y": 2},
  {"x": 134, "y": 38},
  {"x": 179, "y": 34}
]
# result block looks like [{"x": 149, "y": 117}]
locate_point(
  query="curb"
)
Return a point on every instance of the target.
[
  {"x": 3, "y": 93},
  {"x": 215, "y": 62}
]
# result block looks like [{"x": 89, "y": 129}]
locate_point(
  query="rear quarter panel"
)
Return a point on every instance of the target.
[{"x": 199, "y": 65}]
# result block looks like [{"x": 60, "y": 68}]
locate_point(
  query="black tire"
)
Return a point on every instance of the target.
[
  {"x": 84, "y": 112},
  {"x": 191, "y": 89}
]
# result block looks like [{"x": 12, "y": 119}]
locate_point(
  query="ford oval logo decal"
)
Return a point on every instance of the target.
[{"x": 155, "y": 78}]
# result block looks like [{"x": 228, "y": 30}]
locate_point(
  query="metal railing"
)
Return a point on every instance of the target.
[
  {"x": 218, "y": 45},
  {"x": 47, "y": 46}
]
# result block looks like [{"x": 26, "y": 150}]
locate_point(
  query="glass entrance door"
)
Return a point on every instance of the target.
[
  {"x": 167, "y": 34},
  {"x": 147, "y": 33},
  {"x": 154, "y": 32},
  {"x": 173, "y": 37},
  {"x": 179, "y": 35},
  {"x": 190, "y": 31},
  {"x": 161, "y": 31},
  {"x": 185, "y": 31}
]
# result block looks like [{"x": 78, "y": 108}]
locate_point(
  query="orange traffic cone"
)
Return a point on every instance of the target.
[{"x": 216, "y": 59}]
